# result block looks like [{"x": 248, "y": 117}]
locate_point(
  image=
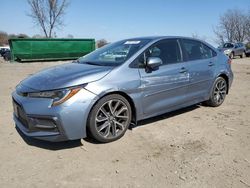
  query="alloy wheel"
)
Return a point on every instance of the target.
[
  {"x": 112, "y": 118},
  {"x": 220, "y": 91}
]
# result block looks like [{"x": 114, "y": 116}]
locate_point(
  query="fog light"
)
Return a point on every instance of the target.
[{"x": 43, "y": 123}]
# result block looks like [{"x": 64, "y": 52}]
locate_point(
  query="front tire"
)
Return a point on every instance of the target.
[
  {"x": 109, "y": 119},
  {"x": 218, "y": 93}
]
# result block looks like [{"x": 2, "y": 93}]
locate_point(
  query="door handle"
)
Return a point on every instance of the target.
[
  {"x": 210, "y": 64},
  {"x": 183, "y": 70}
]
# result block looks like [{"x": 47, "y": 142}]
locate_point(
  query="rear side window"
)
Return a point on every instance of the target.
[
  {"x": 194, "y": 50},
  {"x": 208, "y": 52},
  {"x": 168, "y": 50}
]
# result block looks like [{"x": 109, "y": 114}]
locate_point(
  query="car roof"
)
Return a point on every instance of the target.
[
  {"x": 160, "y": 37},
  {"x": 157, "y": 38}
]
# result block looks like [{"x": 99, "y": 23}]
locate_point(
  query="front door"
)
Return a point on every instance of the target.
[{"x": 165, "y": 87}]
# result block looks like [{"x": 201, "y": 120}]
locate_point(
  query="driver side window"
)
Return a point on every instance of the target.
[{"x": 167, "y": 50}]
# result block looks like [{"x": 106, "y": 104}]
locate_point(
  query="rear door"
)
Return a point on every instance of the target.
[
  {"x": 201, "y": 64},
  {"x": 167, "y": 86}
]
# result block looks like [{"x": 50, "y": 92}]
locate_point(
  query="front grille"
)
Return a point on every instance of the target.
[{"x": 20, "y": 114}]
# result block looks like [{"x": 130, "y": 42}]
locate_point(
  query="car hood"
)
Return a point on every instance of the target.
[{"x": 63, "y": 76}]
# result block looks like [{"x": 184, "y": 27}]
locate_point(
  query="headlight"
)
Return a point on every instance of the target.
[
  {"x": 58, "y": 96},
  {"x": 227, "y": 51}
]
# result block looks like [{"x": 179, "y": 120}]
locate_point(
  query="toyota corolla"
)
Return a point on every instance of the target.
[{"x": 101, "y": 94}]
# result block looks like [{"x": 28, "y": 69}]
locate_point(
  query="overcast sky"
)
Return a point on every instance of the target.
[{"x": 119, "y": 19}]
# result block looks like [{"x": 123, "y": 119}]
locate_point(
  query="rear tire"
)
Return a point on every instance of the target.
[
  {"x": 218, "y": 93},
  {"x": 231, "y": 55},
  {"x": 109, "y": 118},
  {"x": 243, "y": 55}
]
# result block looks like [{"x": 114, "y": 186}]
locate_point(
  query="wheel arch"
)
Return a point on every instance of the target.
[{"x": 127, "y": 97}]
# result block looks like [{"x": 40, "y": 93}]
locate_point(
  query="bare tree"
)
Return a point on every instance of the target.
[
  {"x": 248, "y": 26},
  {"x": 233, "y": 26},
  {"x": 197, "y": 36},
  {"x": 220, "y": 39},
  {"x": 37, "y": 36},
  {"x": 101, "y": 43},
  {"x": 48, "y": 14},
  {"x": 3, "y": 38},
  {"x": 70, "y": 36},
  {"x": 13, "y": 36}
]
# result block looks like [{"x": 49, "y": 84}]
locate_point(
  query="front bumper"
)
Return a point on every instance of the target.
[
  {"x": 227, "y": 52},
  {"x": 35, "y": 117}
]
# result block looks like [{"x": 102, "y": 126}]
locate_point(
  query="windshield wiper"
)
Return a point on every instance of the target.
[
  {"x": 95, "y": 63},
  {"x": 92, "y": 63}
]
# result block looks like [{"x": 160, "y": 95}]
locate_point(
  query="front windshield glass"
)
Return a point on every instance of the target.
[
  {"x": 228, "y": 45},
  {"x": 114, "y": 54}
]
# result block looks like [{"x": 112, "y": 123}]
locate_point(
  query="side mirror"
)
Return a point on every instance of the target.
[{"x": 154, "y": 62}]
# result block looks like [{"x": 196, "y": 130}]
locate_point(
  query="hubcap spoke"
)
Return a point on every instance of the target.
[
  {"x": 223, "y": 92},
  {"x": 120, "y": 125},
  {"x": 113, "y": 127},
  {"x": 116, "y": 105},
  {"x": 110, "y": 106},
  {"x": 222, "y": 85},
  {"x": 103, "y": 126},
  {"x": 122, "y": 117},
  {"x": 107, "y": 131},
  {"x": 104, "y": 111},
  {"x": 101, "y": 119},
  {"x": 120, "y": 111}
]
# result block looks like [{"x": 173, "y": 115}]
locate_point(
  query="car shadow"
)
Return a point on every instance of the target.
[
  {"x": 50, "y": 145},
  {"x": 164, "y": 116},
  {"x": 76, "y": 143},
  {"x": 152, "y": 120}
]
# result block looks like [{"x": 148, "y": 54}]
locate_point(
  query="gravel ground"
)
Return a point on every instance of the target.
[{"x": 194, "y": 147}]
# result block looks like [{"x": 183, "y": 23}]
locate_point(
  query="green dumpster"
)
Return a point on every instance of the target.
[{"x": 29, "y": 49}]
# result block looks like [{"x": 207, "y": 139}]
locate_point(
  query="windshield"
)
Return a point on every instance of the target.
[
  {"x": 228, "y": 45},
  {"x": 114, "y": 54}
]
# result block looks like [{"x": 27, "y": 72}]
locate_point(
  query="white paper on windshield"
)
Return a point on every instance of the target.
[{"x": 132, "y": 42}]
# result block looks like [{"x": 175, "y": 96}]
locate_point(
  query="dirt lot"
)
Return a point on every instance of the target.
[{"x": 195, "y": 147}]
